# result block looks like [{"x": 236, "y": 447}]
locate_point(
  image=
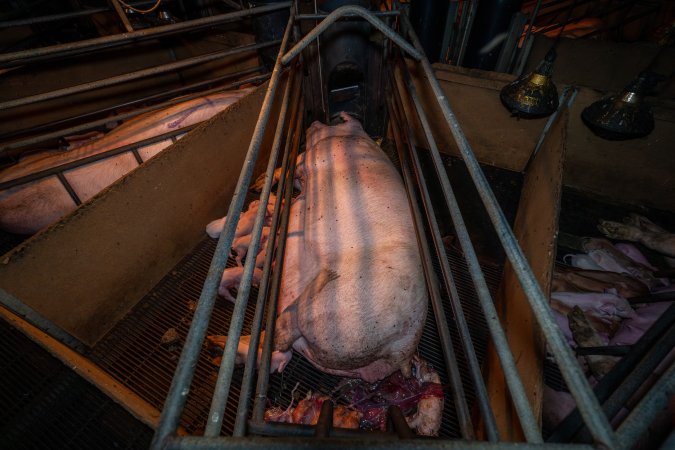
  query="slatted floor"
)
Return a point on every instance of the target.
[{"x": 45, "y": 405}]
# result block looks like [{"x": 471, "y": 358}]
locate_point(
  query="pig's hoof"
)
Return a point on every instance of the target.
[
  {"x": 615, "y": 230},
  {"x": 258, "y": 184},
  {"x": 642, "y": 223}
]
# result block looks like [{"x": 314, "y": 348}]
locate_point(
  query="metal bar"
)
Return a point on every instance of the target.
[
  {"x": 137, "y": 155},
  {"x": 551, "y": 120},
  {"x": 510, "y": 45},
  {"x": 30, "y": 315},
  {"x": 516, "y": 388},
  {"x": 344, "y": 11},
  {"x": 224, "y": 380},
  {"x": 52, "y": 18},
  {"x": 157, "y": 70},
  {"x": 455, "y": 302},
  {"x": 448, "y": 31},
  {"x": 161, "y": 95},
  {"x": 5, "y": 148},
  {"x": 123, "y": 17},
  {"x": 533, "y": 17},
  {"x": 180, "y": 385},
  {"x": 463, "y": 414},
  {"x": 295, "y": 430},
  {"x": 471, "y": 15},
  {"x": 637, "y": 377},
  {"x": 610, "y": 350},
  {"x": 222, "y": 388},
  {"x": 294, "y": 443},
  {"x": 69, "y": 188},
  {"x": 285, "y": 187},
  {"x": 74, "y": 164},
  {"x": 647, "y": 410},
  {"x": 574, "y": 376},
  {"x": 652, "y": 298},
  {"x": 400, "y": 425},
  {"x": 568, "y": 427},
  {"x": 251, "y": 357},
  {"x": 669, "y": 443},
  {"x": 89, "y": 45},
  {"x": 325, "y": 421},
  {"x": 348, "y": 16}
]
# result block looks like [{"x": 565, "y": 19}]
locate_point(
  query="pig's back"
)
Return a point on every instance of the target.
[
  {"x": 355, "y": 198},
  {"x": 358, "y": 226}
]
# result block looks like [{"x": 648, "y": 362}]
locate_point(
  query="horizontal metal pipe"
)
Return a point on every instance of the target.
[
  {"x": 639, "y": 419},
  {"x": 119, "y": 79},
  {"x": 574, "y": 376},
  {"x": 160, "y": 95},
  {"x": 5, "y": 148},
  {"x": 180, "y": 385},
  {"x": 89, "y": 159},
  {"x": 52, "y": 18},
  {"x": 295, "y": 430},
  {"x": 36, "y": 319},
  {"x": 342, "y": 12},
  {"x": 348, "y": 16},
  {"x": 296, "y": 443},
  {"x": 89, "y": 45}
]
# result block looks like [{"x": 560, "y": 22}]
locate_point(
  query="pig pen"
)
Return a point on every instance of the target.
[
  {"x": 80, "y": 280},
  {"x": 112, "y": 288}
]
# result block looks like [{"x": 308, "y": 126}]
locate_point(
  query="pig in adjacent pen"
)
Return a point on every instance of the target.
[
  {"x": 29, "y": 207},
  {"x": 589, "y": 300},
  {"x": 353, "y": 298}
]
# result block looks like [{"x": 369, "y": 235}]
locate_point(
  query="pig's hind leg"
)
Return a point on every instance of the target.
[
  {"x": 286, "y": 331},
  {"x": 279, "y": 360}
]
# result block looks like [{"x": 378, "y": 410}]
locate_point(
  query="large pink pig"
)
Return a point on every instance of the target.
[
  {"x": 29, "y": 207},
  {"x": 353, "y": 298}
]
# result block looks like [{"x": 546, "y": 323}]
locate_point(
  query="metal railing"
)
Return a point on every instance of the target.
[{"x": 290, "y": 436}]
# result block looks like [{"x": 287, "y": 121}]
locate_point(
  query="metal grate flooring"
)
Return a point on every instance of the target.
[
  {"x": 45, "y": 405},
  {"x": 133, "y": 352}
]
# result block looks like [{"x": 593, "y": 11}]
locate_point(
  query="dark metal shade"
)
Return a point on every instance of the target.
[
  {"x": 533, "y": 95},
  {"x": 622, "y": 116}
]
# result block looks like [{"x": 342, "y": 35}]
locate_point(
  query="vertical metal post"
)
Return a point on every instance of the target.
[
  {"x": 123, "y": 17},
  {"x": 647, "y": 410}
]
